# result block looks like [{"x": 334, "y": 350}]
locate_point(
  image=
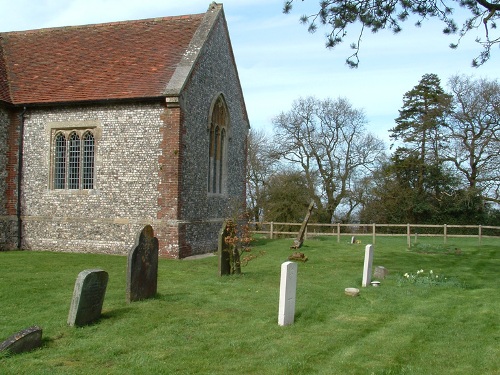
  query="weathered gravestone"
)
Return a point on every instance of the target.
[
  {"x": 23, "y": 341},
  {"x": 380, "y": 272},
  {"x": 229, "y": 256},
  {"x": 142, "y": 266},
  {"x": 223, "y": 251},
  {"x": 288, "y": 287},
  {"x": 297, "y": 243},
  {"x": 367, "y": 267},
  {"x": 88, "y": 297}
]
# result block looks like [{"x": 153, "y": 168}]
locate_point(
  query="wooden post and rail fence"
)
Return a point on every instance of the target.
[{"x": 273, "y": 230}]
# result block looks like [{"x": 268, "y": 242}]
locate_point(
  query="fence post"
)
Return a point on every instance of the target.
[
  {"x": 272, "y": 229},
  {"x": 445, "y": 232},
  {"x": 338, "y": 232},
  {"x": 480, "y": 234},
  {"x": 373, "y": 233},
  {"x": 408, "y": 234}
]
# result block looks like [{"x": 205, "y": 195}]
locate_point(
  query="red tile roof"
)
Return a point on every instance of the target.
[{"x": 133, "y": 59}]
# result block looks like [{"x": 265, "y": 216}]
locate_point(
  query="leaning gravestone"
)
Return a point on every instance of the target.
[
  {"x": 88, "y": 297},
  {"x": 142, "y": 266},
  {"x": 297, "y": 243},
  {"x": 23, "y": 341}
]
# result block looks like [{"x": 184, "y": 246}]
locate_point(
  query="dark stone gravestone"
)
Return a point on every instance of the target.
[
  {"x": 142, "y": 266},
  {"x": 225, "y": 251},
  {"x": 23, "y": 341},
  {"x": 88, "y": 297},
  {"x": 297, "y": 243}
]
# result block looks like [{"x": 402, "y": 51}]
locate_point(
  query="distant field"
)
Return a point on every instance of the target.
[{"x": 416, "y": 322}]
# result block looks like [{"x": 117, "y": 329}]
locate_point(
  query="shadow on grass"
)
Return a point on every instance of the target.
[{"x": 118, "y": 313}]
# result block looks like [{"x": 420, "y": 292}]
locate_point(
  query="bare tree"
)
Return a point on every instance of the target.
[
  {"x": 260, "y": 167},
  {"x": 474, "y": 134},
  {"x": 327, "y": 141}
]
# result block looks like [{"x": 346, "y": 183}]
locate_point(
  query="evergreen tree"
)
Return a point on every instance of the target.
[{"x": 419, "y": 125}]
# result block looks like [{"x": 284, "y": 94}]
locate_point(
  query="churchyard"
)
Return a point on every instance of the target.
[{"x": 436, "y": 312}]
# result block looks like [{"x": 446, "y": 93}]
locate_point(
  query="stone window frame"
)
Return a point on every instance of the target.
[
  {"x": 218, "y": 137},
  {"x": 86, "y": 178}
]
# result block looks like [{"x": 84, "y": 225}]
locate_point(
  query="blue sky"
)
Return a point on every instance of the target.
[{"x": 279, "y": 61}]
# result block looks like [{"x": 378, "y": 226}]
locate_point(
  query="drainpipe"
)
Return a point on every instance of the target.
[{"x": 20, "y": 179}]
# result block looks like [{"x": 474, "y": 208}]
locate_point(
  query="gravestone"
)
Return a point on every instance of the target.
[
  {"x": 297, "y": 243},
  {"x": 380, "y": 272},
  {"x": 288, "y": 287},
  {"x": 367, "y": 268},
  {"x": 88, "y": 297},
  {"x": 142, "y": 266},
  {"x": 23, "y": 341},
  {"x": 228, "y": 249},
  {"x": 223, "y": 251}
]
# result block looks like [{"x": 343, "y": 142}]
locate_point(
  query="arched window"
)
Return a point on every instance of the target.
[
  {"x": 217, "y": 147},
  {"x": 73, "y": 160}
]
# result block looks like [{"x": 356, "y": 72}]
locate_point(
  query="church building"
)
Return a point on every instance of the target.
[{"x": 109, "y": 127}]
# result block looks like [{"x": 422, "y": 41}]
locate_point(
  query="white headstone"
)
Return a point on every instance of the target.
[
  {"x": 367, "y": 268},
  {"x": 288, "y": 287}
]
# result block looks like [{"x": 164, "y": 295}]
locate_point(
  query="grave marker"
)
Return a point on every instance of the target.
[
  {"x": 88, "y": 297},
  {"x": 367, "y": 268},
  {"x": 224, "y": 251},
  {"x": 23, "y": 341},
  {"x": 380, "y": 272},
  {"x": 288, "y": 287},
  {"x": 142, "y": 266},
  {"x": 297, "y": 243}
]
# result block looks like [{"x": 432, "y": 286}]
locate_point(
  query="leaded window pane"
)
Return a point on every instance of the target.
[
  {"x": 221, "y": 158},
  {"x": 216, "y": 154},
  {"x": 88, "y": 161},
  {"x": 74, "y": 162},
  {"x": 211, "y": 157},
  {"x": 60, "y": 162}
]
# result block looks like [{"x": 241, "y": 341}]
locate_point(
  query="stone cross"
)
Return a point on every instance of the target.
[
  {"x": 367, "y": 268},
  {"x": 288, "y": 287},
  {"x": 297, "y": 243},
  {"x": 88, "y": 297},
  {"x": 142, "y": 266},
  {"x": 23, "y": 341}
]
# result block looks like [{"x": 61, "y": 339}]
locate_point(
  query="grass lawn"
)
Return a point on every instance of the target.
[{"x": 203, "y": 324}]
